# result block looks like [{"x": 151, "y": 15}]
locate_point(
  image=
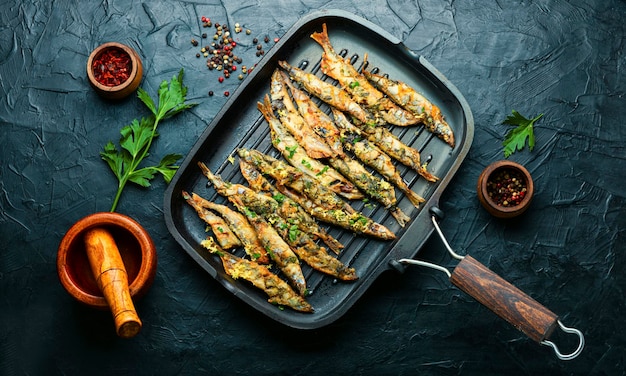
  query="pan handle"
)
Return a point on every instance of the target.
[
  {"x": 504, "y": 299},
  {"x": 511, "y": 304}
]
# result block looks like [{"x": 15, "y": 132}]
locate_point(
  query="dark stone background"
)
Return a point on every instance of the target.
[{"x": 565, "y": 59}]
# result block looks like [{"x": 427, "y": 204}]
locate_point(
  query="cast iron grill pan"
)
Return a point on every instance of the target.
[{"x": 240, "y": 125}]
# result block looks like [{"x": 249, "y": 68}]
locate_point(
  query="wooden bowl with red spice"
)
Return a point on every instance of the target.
[
  {"x": 505, "y": 189},
  {"x": 114, "y": 70}
]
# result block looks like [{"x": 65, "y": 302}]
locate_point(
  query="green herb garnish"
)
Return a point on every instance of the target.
[
  {"x": 279, "y": 197},
  {"x": 294, "y": 232},
  {"x": 516, "y": 138},
  {"x": 249, "y": 213},
  {"x": 324, "y": 169},
  {"x": 306, "y": 164},
  {"x": 291, "y": 150},
  {"x": 138, "y": 136}
]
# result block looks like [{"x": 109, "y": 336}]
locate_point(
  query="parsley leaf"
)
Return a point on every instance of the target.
[
  {"x": 136, "y": 138},
  {"x": 516, "y": 138},
  {"x": 294, "y": 232}
]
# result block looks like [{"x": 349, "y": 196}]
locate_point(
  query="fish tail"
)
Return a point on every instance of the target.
[
  {"x": 415, "y": 199},
  {"x": 331, "y": 242},
  {"x": 209, "y": 175},
  {"x": 399, "y": 215},
  {"x": 426, "y": 175},
  {"x": 322, "y": 39},
  {"x": 266, "y": 108}
]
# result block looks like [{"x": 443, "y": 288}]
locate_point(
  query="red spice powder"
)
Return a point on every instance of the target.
[{"x": 112, "y": 67}]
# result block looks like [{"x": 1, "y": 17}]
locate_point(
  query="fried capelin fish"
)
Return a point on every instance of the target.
[
  {"x": 278, "y": 291},
  {"x": 295, "y": 154},
  {"x": 314, "y": 145},
  {"x": 378, "y": 189},
  {"x": 239, "y": 225},
  {"x": 307, "y": 250},
  {"x": 361, "y": 90},
  {"x": 290, "y": 210},
  {"x": 373, "y": 156},
  {"x": 279, "y": 251},
  {"x": 318, "y": 120},
  {"x": 408, "y": 98},
  {"x": 224, "y": 234},
  {"x": 392, "y": 146},
  {"x": 327, "y": 92},
  {"x": 317, "y": 200},
  {"x": 276, "y": 233}
]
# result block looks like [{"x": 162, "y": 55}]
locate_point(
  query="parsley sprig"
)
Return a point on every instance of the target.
[
  {"x": 137, "y": 138},
  {"x": 516, "y": 138}
]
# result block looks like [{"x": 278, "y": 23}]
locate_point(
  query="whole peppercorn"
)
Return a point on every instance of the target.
[
  {"x": 194, "y": 42},
  {"x": 210, "y": 93},
  {"x": 506, "y": 188},
  {"x": 266, "y": 39},
  {"x": 226, "y": 93}
]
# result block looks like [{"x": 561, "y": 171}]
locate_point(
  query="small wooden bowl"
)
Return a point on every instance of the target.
[
  {"x": 490, "y": 173},
  {"x": 125, "y": 88},
  {"x": 135, "y": 246}
]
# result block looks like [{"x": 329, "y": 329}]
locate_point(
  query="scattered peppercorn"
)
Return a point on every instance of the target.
[
  {"x": 220, "y": 54},
  {"x": 226, "y": 93},
  {"x": 210, "y": 93}
]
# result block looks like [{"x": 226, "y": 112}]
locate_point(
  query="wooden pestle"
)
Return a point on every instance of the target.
[{"x": 108, "y": 269}]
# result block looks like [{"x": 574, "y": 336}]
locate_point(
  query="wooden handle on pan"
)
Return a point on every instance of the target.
[
  {"x": 108, "y": 269},
  {"x": 506, "y": 300}
]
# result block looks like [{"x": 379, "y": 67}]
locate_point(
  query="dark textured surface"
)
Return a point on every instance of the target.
[{"x": 565, "y": 59}]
